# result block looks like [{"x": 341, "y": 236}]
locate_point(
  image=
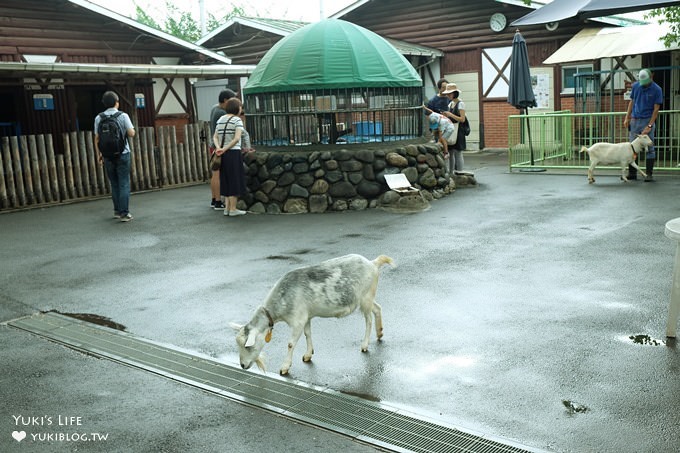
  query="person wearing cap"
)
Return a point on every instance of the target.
[
  {"x": 646, "y": 98},
  {"x": 438, "y": 104},
  {"x": 456, "y": 113}
]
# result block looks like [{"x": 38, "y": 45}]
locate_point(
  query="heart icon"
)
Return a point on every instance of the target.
[{"x": 19, "y": 435}]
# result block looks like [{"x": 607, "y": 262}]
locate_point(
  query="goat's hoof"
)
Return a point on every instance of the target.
[
  {"x": 590, "y": 181},
  {"x": 364, "y": 349},
  {"x": 306, "y": 358},
  {"x": 283, "y": 372}
]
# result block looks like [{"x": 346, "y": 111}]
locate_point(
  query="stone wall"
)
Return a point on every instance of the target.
[{"x": 342, "y": 178}]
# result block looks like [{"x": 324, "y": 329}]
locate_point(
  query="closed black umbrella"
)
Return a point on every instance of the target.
[{"x": 521, "y": 93}]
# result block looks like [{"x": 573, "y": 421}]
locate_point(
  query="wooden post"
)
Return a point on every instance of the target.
[
  {"x": 68, "y": 167},
  {"x": 18, "y": 177},
  {"x": 153, "y": 158},
  {"x": 92, "y": 162},
  {"x": 102, "y": 179},
  {"x": 35, "y": 169},
  {"x": 44, "y": 171},
  {"x": 4, "y": 202},
  {"x": 52, "y": 166},
  {"x": 26, "y": 170},
  {"x": 75, "y": 158},
  {"x": 174, "y": 156},
  {"x": 205, "y": 155},
  {"x": 162, "y": 158},
  {"x": 181, "y": 164},
  {"x": 144, "y": 151},
  {"x": 84, "y": 165},
  {"x": 9, "y": 172},
  {"x": 134, "y": 171},
  {"x": 61, "y": 177}
]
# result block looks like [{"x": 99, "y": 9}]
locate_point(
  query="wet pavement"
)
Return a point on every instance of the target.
[{"x": 532, "y": 308}]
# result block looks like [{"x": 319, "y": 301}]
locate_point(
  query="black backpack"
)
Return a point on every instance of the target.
[{"x": 112, "y": 137}]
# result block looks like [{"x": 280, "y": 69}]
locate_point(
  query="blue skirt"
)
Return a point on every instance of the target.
[{"x": 232, "y": 175}]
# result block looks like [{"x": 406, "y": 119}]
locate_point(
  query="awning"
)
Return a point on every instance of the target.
[
  {"x": 16, "y": 69},
  {"x": 594, "y": 43},
  {"x": 559, "y": 10}
]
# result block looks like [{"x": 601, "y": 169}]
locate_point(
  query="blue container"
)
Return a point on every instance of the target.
[{"x": 368, "y": 128}]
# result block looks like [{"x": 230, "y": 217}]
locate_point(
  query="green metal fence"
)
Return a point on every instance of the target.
[{"x": 554, "y": 140}]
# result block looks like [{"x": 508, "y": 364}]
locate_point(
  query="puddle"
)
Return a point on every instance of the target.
[
  {"x": 94, "y": 319},
  {"x": 364, "y": 396},
  {"x": 352, "y": 235},
  {"x": 646, "y": 340},
  {"x": 302, "y": 251},
  {"x": 574, "y": 407}
]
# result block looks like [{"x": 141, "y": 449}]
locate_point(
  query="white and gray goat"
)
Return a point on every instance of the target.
[
  {"x": 623, "y": 154},
  {"x": 332, "y": 288}
]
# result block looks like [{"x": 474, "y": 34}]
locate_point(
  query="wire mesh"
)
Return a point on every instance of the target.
[{"x": 350, "y": 115}]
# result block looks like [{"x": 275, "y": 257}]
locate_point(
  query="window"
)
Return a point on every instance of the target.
[{"x": 569, "y": 79}]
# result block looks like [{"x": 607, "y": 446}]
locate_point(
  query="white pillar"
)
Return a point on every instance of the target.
[{"x": 673, "y": 232}]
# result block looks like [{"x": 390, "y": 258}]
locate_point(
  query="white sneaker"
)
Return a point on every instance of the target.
[{"x": 235, "y": 212}]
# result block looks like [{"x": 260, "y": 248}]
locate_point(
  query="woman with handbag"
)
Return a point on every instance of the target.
[
  {"x": 228, "y": 134},
  {"x": 457, "y": 114}
]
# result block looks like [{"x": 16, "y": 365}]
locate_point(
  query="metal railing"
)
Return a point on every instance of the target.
[{"x": 554, "y": 140}]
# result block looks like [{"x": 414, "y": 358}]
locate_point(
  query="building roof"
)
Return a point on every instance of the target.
[
  {"x": 559, "y": 10},
  {"x": 595, "y": 43},
  {"x": 274, "y": 26},
  {"x": 20, "y": 69},
  {"x": 542, "y": 13},
  {"x": 331, "y": 54},
  {"x": 150, "y": 30},
  {"x": 286, "y": 27}
]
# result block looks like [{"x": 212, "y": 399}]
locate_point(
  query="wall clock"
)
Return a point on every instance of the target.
[{"x": 498, "y": 22}]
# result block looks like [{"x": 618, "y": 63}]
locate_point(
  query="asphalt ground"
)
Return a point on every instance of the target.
[{"x": 530, "y": 308}]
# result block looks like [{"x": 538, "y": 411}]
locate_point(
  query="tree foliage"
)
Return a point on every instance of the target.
[
  {"x": 182, "y": 24},
  {"x": 670, "y": 16}
]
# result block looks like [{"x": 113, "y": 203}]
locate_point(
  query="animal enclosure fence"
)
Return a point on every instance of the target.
[
  {"x": 554, "y": 140},
  {"x": 33, "y": 174}
]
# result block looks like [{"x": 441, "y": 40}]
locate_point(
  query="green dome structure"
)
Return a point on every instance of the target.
[
  {"x": 333, "y": 82},
  {"x": 331, "y": 54}
]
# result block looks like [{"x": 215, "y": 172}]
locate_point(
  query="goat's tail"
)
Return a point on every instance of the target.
[
  {"x": 584, "y": 149},
  {"x": 383, "y": 259}
]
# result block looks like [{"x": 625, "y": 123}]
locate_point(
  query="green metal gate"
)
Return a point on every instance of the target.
[{"x": 554, "y": 140}]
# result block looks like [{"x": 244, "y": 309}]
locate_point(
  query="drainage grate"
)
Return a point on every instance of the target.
[{"x": 365, "y": 421}]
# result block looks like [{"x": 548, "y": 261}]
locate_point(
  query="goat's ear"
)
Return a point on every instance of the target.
[
  {"x": 251, "y": 338},
  {"x": 235, "y": 326}
]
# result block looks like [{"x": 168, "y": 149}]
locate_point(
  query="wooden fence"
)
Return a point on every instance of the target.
[{"x": 32, "y": 174}]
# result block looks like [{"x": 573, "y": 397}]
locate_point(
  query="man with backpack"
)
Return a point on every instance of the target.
[{"x": 112, "y": 129}]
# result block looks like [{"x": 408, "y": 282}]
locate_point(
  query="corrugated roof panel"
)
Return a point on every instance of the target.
[{"x": 595, "y": 43}]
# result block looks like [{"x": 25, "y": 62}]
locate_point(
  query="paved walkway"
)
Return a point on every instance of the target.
[{"x": 530, "y": 308}]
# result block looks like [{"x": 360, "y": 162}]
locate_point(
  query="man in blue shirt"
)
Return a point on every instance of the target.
[{"x": 646, "y": 98}]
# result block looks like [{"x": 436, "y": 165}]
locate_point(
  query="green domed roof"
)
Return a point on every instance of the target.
[{"x": 331, "y": 54}]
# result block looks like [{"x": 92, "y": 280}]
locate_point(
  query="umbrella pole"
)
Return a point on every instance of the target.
[
  {"x": 531, "y": 148},
  {"x": 531, "y": 169}
]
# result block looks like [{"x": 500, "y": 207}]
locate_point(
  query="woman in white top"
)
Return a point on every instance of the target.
[{"x": 227, "y": 139}]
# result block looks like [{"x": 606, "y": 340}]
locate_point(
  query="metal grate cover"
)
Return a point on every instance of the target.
[{"x": 365, "y": 421}]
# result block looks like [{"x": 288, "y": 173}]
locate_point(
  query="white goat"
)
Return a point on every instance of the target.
[
  {"x": 333, "y": 288},
  {"x": 617, "y": 153}
]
